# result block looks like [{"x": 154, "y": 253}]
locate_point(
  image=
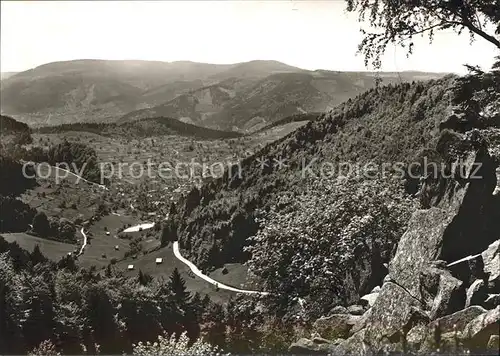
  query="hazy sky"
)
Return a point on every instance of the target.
[{"x": 308, "y": 34}]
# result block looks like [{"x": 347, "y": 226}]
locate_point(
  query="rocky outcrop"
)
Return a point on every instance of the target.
[
  {"x": 356, "y": 310},
  {"x": 335, "y": 325},
  {"x": 442, "y": 293},
  {"x": 309, "y": 347},
  {"x": 477, "y": 333},
  {"x": 370, "y": 299},
  {"x": 339, "y": 309},
  {"x": 421, "y": 303},
  {"x": 477, "y": 293},
  {"x": 426, "y": 337},
  {"x": 491, "y": 260},
  {"x": 361, "y": 322},
  {"x": 458, "y": 320},
  {"x": 441, "y": 289}
]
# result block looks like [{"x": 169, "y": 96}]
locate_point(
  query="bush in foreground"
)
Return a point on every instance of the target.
[{"x": 176, "y": 347}]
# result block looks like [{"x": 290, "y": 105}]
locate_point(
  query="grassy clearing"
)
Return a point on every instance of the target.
[
  {"x": 236, "y": 275},
  {"x": 53, "y": 250},
  {"x": 101, "y": 247}
]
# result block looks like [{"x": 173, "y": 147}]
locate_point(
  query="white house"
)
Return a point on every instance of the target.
[
  {"x": 130, "y": 267},
  {"x": 159, "y": 260}
]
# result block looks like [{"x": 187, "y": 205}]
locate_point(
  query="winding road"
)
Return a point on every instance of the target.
[
  {"x": 200, "y": 274},
  {"x": 84, "y": 242},
  {"x": 188, "y": 263}
]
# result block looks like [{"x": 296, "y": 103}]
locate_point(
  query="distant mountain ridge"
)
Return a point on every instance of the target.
[
  {"x": 241, "y": 97},
  {"x": 248, "y": 105},
  {"x": 104, "y": 90}
]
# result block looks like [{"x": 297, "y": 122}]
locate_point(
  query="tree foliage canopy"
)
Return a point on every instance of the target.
[{"x": 398, "y": 21}]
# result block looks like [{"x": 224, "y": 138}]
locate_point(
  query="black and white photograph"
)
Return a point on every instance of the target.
[{"x": 243, "y": 177}]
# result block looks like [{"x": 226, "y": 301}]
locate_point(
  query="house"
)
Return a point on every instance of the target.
[
  {"x": 130, "y": 267},
  {"x": 117, "y": 247},
  {"x": 159, "y": 260},
  {"x": 108, "y": 233}
]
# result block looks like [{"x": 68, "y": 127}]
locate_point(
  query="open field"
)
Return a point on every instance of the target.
[
  {"x": 236, "y": 275},
  {"x": 101, "y": 247},
  {"x": 53, "y": 250}
]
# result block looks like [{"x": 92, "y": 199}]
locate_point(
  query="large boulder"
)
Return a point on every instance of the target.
[
  {"x": 355, "y": 345},
  {"x": 458, "y": 320},
  {"x": 395, "y": 313},
  {"x": 356, "y": 309},
  {"x": 476, "y": 293},
  {"x": 491, "y": 259},
  {"x": 478, "y": 331},
  {"x": 336, "y": 325},
  {"x": 370, "y": 299},
  {"x": 361, "y": 322},
  {"x": 419, "y": 246},
  {"x": 417, "y": 336},
  {"x": 424, "y": 338},
  {"x": 339, "y": 309},
  {"x": 309, "y": 347},
  {"x": 443, "y": 293}
]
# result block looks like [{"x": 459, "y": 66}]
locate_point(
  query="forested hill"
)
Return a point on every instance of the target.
[
  {"x": 395, "y": 123},
  {"x": 9, "y": 125},
  {"x": 143, "y": 128}
]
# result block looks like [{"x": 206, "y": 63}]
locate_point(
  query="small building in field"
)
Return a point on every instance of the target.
[
  {"x": 117, "y": 247},
  {"x": 130, "y": 267},
  {"x": 108, "y": 233},
  {"x": 159, "y": 260}
]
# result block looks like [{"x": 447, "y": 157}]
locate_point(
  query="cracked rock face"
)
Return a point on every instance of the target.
[
  {"x": 481, "y": 328},
  {"x": 442, "y": 287},
  {"x": 420, "y": 288},
  {"x": 491, "y": 260}
]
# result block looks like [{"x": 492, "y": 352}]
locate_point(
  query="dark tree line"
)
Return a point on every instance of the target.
[{"x": 71, "y": 307}]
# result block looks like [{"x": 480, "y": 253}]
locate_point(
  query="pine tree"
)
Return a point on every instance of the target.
[
  {"x": 196, "y": 306},
  {"x": 205, "y": 302},
  {"x": 177, "y": 286},
  {"x": 109, "y": 271},
  {"x": 37, "y": 256},
  {"x": 144, "y": 278}
]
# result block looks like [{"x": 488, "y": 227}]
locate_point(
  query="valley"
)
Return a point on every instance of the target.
[{"x": 249, "y": 206}]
